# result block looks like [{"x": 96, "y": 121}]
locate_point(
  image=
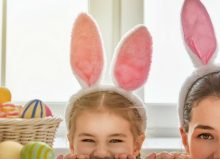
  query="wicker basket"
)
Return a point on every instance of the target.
[{"x": 25, "y": 130}]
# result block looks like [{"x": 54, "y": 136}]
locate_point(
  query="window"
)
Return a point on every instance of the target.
[
  {"x": 38, "y": 42},
  {"x": 37, "y": 51},
  {"x": 171, "y": 63},
  {"x": 169, "y": 56}
]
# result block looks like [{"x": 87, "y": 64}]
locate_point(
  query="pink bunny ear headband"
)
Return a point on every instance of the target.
[
  {"x": 200, "y": 38},
  {"x": 131, "y": 65}
]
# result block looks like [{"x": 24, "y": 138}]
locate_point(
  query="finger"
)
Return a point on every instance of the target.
[
  {"x": 70, "y": 156},
  {"x": 182, "y": 156},
  {"x": 165, "y": 155},
  {"x": 131, "y": 157},
  {"x": 82, "y": 157},
  {"x": 60, "y": 157},
  {"x": 116, "y": 156},
  {"x": 87, "y": 157},
  {"x": 151, "y": 156},
  {"x": 123, "y": 156}
]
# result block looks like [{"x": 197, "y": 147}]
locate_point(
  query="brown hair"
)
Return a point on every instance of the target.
[
  {"x": 208, "y": 85},
  {"x": 110, "y": 101}
]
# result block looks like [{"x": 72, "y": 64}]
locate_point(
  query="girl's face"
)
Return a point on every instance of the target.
[
  {"x": 203, "y": 138},
  {"x": 104, "y": 135}
]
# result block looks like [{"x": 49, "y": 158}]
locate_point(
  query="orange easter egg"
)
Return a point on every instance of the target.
[
  {"x": 5, "y": 95},
  {"x": 9, "y": 110}
]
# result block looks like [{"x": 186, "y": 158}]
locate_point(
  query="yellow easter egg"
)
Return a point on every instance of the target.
[
  {"x": 5, "y": 95},
  {"x": 37, "y": 150},
  {"x": 34, "y": 109},
  {"x": 10, "y": 150}
]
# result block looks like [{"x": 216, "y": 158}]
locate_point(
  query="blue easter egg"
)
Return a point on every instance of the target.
[{"x": 34, "y": 109}]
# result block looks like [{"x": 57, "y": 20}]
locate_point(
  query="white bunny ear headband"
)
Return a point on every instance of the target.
[
  {"x": 131, "y": 65},
  {"x": 201, "y": 42}
]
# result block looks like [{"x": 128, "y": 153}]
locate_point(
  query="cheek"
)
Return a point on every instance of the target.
[
  {"x": 201, "y": 149},
  {"x": 82, "y": 148},
  {"x": 127, "y": 147},
  {"x": 121, "y": 148}
]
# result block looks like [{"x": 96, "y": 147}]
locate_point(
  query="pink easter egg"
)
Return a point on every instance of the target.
[{"x": 48, "y": 111}]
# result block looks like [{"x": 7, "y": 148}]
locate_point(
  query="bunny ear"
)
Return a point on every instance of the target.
[
  {"x": 86, "y": 51},
  {"x": 198, "y": 30},
  {"x": 133, "y": 59}
]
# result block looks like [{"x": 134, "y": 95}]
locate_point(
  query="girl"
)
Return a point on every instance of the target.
[
  {"x": 199, "y": 104},
  {"x": 199, "y": 100},
  {"x": 200, "y": 128},
  {"x": 107, "y": 121},
  {"x": 105, "y": 124}
]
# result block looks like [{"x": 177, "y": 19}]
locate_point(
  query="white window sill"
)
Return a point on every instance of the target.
[{"x": 150, "y": 145}]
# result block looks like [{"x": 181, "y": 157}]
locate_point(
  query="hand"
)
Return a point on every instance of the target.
[
  {"x": 124, "y": 156},
  {"x": 151, "y": 156},
  {"x": 161, "y": 155},
  {"x": 71, "y": 156},
  {"x": 179, "y": 155},
  {"x": 166, "y": 155}
]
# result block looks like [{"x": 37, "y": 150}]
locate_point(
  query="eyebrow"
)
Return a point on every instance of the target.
[
  {"x": 204, "y": 127},
  {"x": 112, "y": 135},
  {"x": 86, "y": 134},
  {"x": 118, "y": 135}
]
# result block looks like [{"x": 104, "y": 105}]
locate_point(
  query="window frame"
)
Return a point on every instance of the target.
[{"x": 3, "y": 26}]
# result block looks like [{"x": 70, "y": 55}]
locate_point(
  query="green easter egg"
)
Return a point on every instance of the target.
[{"x": 37, "y": 150}]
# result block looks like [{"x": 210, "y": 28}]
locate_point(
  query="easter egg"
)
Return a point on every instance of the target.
[
  {"x": 9, "y": 110},
  {"x": 2, "y": 115},
  {"x": 48, "y": 111},
  {"x": 10, "y": 150},
  {"x": 37, "y": 150},
  {"x": 5, "y": 95},
  {"x": 34, "y": 109}
]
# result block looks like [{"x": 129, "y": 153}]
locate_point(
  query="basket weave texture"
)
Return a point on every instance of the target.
[{"x": 26, "y": 130}]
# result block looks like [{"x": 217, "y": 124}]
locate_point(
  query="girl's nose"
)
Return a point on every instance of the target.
[{"x": 101, "y": 152}]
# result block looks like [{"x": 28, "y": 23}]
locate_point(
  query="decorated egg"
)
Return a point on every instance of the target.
[
  {"x": 37, "y": 150},
  {"x": 5, "y": 95},
  {"x": 10, "y": 150},
  {"x": 34, "y": 109},
  {"x": 9, "y": 110},
  {"x": 48, "y": 111},
  {"x": 2, "y": 115}
]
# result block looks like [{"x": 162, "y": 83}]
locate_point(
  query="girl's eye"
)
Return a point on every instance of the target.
[
  {"x": 115, "y": 141},
  {"x": 206, "y": 136},
  {"x": 87, "y": 140}
]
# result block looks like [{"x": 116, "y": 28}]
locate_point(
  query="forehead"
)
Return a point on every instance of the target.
[
  {"x": 207, "y": 112},
  {"x": 104, "y": 123}
]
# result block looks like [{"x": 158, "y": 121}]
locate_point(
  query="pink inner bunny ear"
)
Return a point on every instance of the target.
[
  {"x": 198, "y": 30},
  {"x": 132, "y": 64},
  {"x": 86, "y": 50}
]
